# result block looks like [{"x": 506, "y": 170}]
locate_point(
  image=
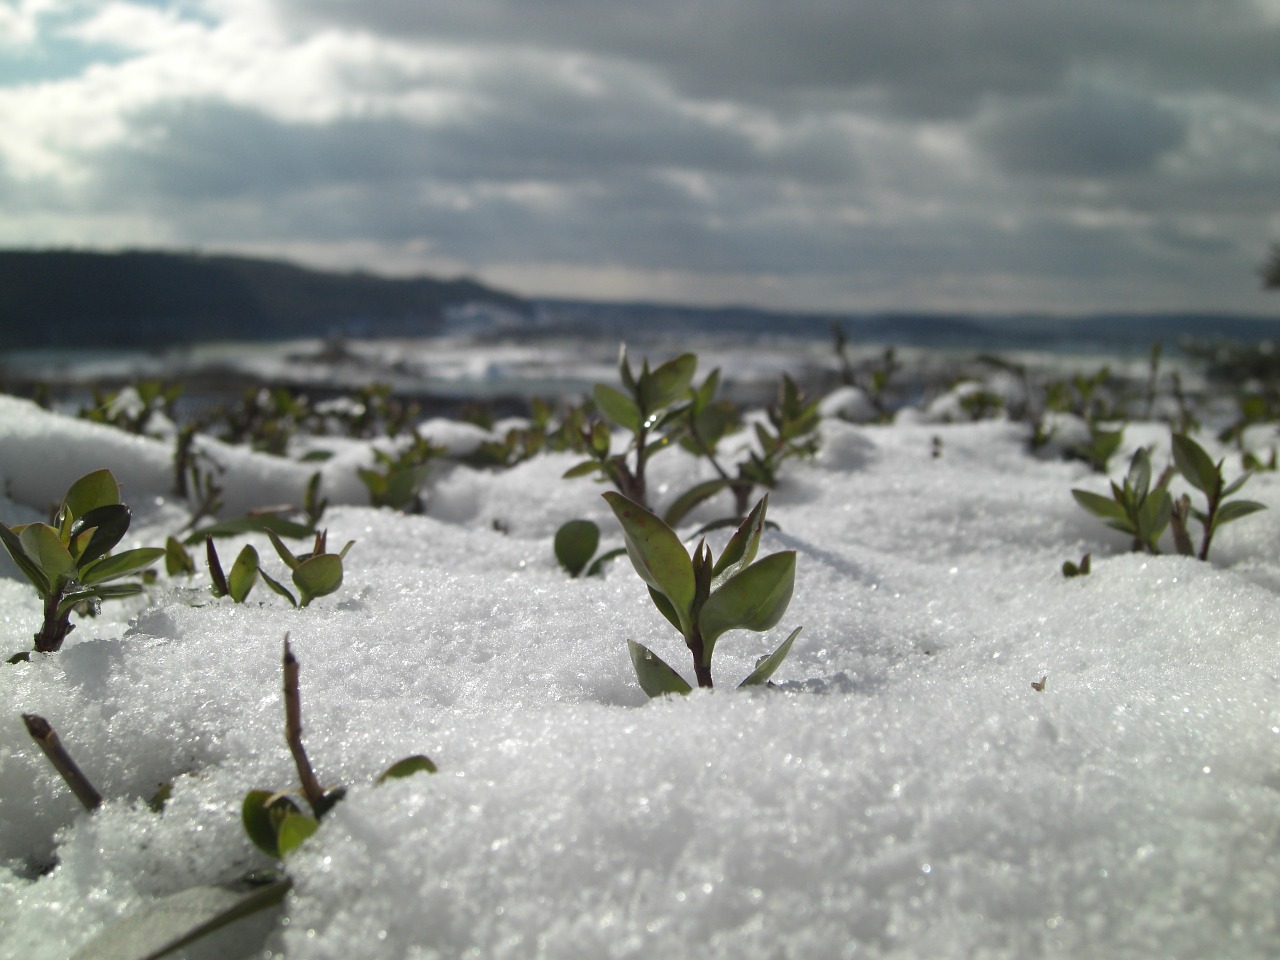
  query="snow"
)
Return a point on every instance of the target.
[{"x": 903, "y": 792}]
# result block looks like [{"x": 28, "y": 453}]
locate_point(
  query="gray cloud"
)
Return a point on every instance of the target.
[
  {"x": 1086, "y": 132},
  {"x": 936, "y": 59},
  {"x": 944, "y": 154}
]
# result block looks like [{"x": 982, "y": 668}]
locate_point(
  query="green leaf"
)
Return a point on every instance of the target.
[
  {"x": 178, "y": 920},
  {"x": 666, "y": 609},
  {"x": 259, "y": 815},
  {"x": 218, "y": 580},
  {"x": 116, "y": 591},
  {"x": 1100, "y": 506},
  {"x": 766, "y": 666},
  {"x": 284, "y": 552},
  {"x": 243, "y": 574},
  {"x": 176, "y": 559},
  {"x": 745, "y": 542},
  {"x": 403, "y": 485},
  {"x": 1153, "y": 515},
  {"x": 617, "y": 407},
  {"x": 597, "y": 565},
  {"x": 277, "y": 587},
  {"x": 655, "y": 675},
  {"x": 30, "y": 570},
  {"x": 111, "y": 591},
  {"x": 318, "y": 577},
  {"x": 97, "y": 489},
  {"x": 580, "y": 470},
  {"x": 657, "y": 554},
  {"x": 407, "y": 768},
  {"x": 575, "y": 544},
  {"x": 1236, "y": 484},
  {"x": 1139, "y": 477},
  {"x": 260, "y": 524},
  {"x": 44, "y": 547},
  {"x": 1235, "y": 510},
  {"x": 109, "y": 524},
  {"x": 1194, "y": 464},
  {"x": 668, "y": 384},
  {"x": 293, "y": 830},
  {"x": 691, "y": 498},
  {"x": 705, "y": 394},
  {"x": 754, "y": 599},
  {"x": 624, "y": 369},
  {"x": 121, "y": 564}
]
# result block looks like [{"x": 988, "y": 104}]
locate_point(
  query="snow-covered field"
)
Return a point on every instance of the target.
[{"x": 902, "y": 792}]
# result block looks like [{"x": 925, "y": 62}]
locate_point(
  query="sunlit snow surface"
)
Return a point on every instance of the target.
[{"x": 903, "y": 792}]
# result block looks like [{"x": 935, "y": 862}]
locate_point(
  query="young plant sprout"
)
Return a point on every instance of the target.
[
  {"x": 703, "y": 597},
  {"x": 315, "y": 574},
  {"x": 1135, "y": 506},
  {"x": 273, "y": 820},
  {"x": 1206, "y": 476},
  {"x": 647, "y": 405},
  {"x": 70, "y": 561},
  {"x": 243, "y": 575}
]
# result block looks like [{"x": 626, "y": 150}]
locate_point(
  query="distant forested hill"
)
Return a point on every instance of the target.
[{"x": 82, "y": 299}]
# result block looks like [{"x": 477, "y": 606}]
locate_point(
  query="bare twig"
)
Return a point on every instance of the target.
[
  {"x": 46, "y": 739},
  {"x": 311, "y": 788}
]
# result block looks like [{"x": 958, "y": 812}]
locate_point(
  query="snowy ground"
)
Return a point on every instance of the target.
[{"x": 904, "y": 792}]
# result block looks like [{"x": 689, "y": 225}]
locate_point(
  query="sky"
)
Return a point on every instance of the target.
[{"x": 999, "y": 155}]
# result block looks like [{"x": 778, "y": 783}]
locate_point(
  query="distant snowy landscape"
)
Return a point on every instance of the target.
[{"x": 966, "y": 754}]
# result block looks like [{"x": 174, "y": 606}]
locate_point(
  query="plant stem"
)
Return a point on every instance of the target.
[
  {"x": 311, "y": 788},
  {"x": 638, "y": 481},
  {"x": 46, "y": 739},
  {"x": 1210, "y": 518},
  {"x": 700, "y": 671},
  {"x": 56, "y": 626}
]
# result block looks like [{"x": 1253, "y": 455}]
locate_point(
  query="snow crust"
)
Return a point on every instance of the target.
[{"x": 903, "y": 792}]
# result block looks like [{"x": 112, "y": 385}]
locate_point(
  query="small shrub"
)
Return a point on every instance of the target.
[
  {"x": 70, "y": 562},
  {"x": 398, "y": 482},
  {"x": 315, "y": 574},
  {"x": 645, "y": 405},
  {"x": 1206, "y": 476},
  {"x": 702, "y": 597},
  {"x": 1135, "y": 506},
  {"x": 276, "y": 822}
]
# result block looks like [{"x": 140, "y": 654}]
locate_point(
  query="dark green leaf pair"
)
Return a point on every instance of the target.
[
  {"x": 703, "y": 598},
  {"x": 243, "y": 575},
  {"x": 70, "y": 560}
]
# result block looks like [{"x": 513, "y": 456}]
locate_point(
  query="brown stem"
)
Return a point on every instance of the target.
[
  {"x": 46, "y": 739},
  {"x": 700, "y": 671},
  {"x": 311, "y": 788},
  {"x": 1178, "y": 525},
  {"x": 56, "y": 626},
  {"x": 1210, "y": 521}
]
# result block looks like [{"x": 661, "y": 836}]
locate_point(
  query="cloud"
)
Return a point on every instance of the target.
[
  {"x": 1085, "y": 132},
  {"x": 823, "y": 155}
]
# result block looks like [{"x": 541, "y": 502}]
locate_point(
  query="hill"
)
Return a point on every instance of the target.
[{"x": 64, "y": 299}]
